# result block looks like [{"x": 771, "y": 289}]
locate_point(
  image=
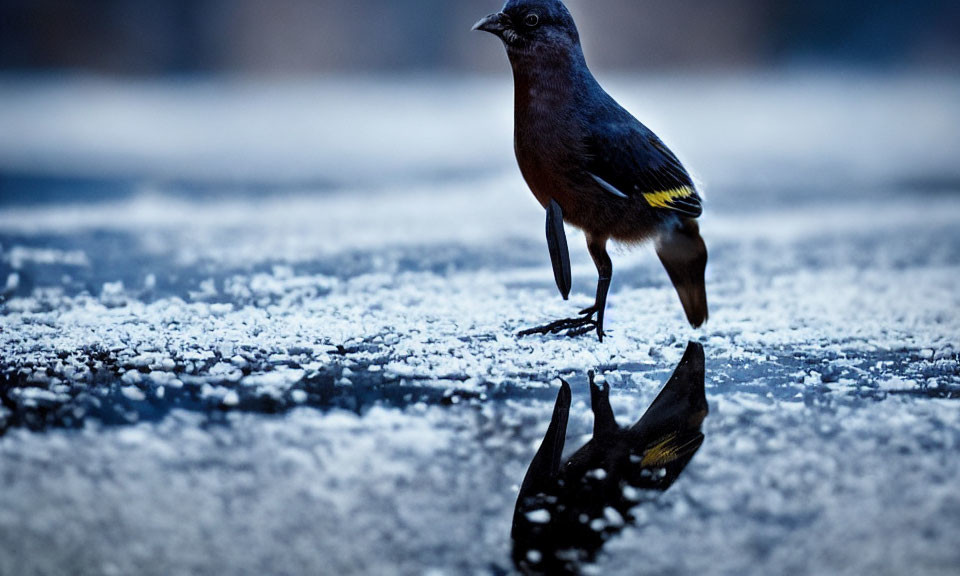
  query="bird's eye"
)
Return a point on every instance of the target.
[{"x": 532, "y": 20}]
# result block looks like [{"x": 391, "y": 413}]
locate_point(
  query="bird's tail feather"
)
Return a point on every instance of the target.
[{"x": 684, "y": 254}]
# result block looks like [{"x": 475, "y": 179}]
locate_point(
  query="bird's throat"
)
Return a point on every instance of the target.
[
  {"x": 542, "y": 89},
  {"x": 547, "y": 79}
]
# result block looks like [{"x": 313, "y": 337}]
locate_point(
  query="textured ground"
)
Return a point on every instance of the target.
[{"x": 258, "y": 329}]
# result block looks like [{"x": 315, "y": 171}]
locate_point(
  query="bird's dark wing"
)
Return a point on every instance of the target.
[
  {"x": 559, "y": 252},
  {"x": 628, "y": 160}
]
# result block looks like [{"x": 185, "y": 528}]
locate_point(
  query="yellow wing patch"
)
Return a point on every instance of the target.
[
  {"x": 667, "y": 451},
  {"x": 664, "y": 198}
]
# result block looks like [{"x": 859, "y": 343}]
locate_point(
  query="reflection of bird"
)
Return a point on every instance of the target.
[
  {"x": 592, "y": 164},
  {"x": 566, "y": 511}
]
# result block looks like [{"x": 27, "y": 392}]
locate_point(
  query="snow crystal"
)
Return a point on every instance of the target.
[
  {"x": 112, "y": 289},
  {"x": 231, "y": 399},
  {"x": 598, "y": 474},
  {"x": 538, "y": 516},
  {"x": 612, "y": 517},
  {"x": 896, "y": 383},
  {"x": 133, "y": 394},
  {"x": 19, "y": 256}
]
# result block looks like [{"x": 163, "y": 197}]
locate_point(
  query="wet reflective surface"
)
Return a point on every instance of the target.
[
  {"x": 566, "y": 511},
  {"x": 280, "y": 358}
]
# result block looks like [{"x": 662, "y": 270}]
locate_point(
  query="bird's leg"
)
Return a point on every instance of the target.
[
  {"x": 598, "y": 251},
  {"x": 592, "y": 318},
  {"x": 599, "y": 306}
]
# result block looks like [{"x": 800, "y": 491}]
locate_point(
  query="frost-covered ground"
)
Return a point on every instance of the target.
[{"x": 269, "y": 329}]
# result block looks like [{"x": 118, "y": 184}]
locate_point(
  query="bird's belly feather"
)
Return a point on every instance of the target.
[{"x": 557, "y": 175}]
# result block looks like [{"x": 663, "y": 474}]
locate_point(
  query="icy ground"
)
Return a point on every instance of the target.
[{"x": 269, "y": 329}]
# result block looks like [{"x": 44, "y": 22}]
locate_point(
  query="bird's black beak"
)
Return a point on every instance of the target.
[{"x": 495, "y": 24}]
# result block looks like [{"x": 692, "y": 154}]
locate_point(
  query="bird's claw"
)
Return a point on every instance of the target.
[{"x": 570, "y": 327}]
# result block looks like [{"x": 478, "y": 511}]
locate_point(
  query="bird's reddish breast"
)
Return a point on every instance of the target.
[{"x": 548, "y": 146}]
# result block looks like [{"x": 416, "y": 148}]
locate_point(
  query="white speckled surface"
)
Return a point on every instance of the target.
[{"x": 205, "y": 377}]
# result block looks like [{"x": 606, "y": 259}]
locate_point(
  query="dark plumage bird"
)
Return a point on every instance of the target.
[{"x": 592, "y": 164}]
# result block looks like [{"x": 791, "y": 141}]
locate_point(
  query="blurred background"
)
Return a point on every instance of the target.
[
  {"x": 270, "y": 256},
  {"x": 326, "y": 93},
  {"x": 309, "y": 36}
]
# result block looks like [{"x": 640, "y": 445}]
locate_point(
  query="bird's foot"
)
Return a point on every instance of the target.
[{"x": 571, "y": 327}]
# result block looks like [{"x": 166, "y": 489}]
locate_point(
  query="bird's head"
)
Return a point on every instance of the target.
[{"x": 532, "y": 25}]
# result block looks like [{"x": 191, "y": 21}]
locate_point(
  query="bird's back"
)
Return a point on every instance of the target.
[{"x": 611, "y": 174}]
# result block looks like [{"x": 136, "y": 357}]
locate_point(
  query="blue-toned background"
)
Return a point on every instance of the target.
[
  {"x": 301, "y": 36},
  {"x": 262, "y": 265}
]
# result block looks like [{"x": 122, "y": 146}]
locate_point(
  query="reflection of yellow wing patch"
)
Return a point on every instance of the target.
[
  {"x": 664, "y": 198},
  {"x": 666, "y": 451}
]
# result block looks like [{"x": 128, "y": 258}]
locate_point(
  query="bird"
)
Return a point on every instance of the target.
[
  {"x": 591, "y": 164},
  {"x": 563, "y": 511}
]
